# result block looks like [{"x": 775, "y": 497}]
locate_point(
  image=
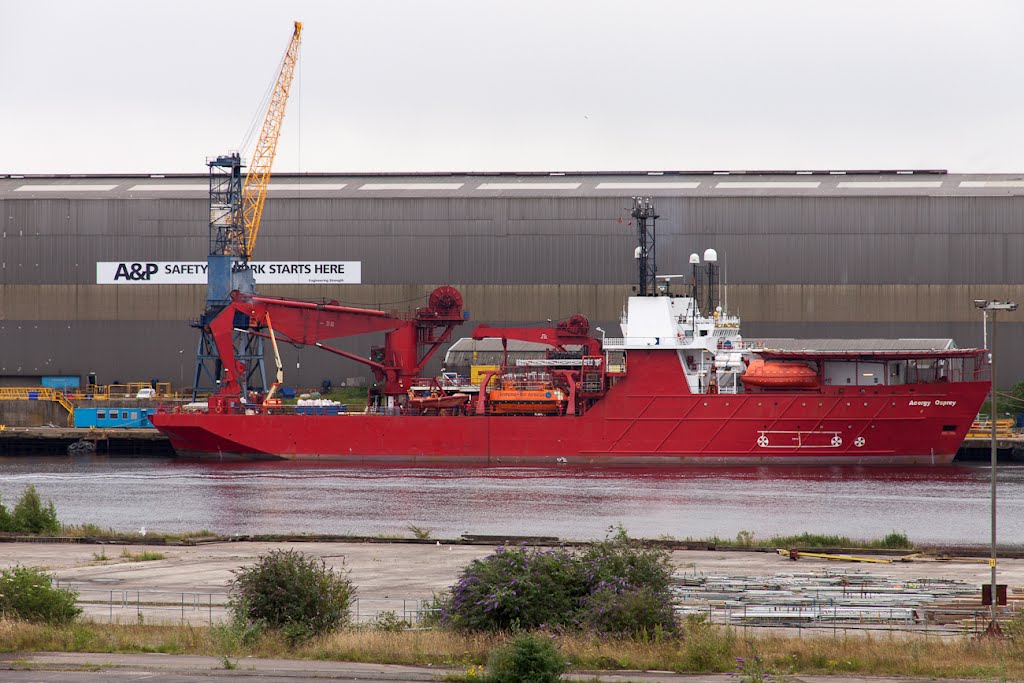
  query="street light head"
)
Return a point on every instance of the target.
[{"x": 995, "y": 305}]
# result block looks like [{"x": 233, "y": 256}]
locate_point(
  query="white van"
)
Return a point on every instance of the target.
[{"x": 146, "y": 393}]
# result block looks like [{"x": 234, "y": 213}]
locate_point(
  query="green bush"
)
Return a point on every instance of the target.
[
  {"x": 6, "y": 523},
  {"x": 295, "y": 594},
  {"x": 32, "y": 517},
  {"x": 27, "y": 593},
  {"x": 628, "y": 611},
  {"x": 527, "y": 658},
  {"x": 616, "y": 587}
]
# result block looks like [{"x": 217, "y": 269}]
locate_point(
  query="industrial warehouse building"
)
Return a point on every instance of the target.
[{"x": 820, "y": 254}]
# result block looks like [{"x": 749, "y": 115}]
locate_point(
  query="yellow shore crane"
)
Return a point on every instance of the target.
[
  {"x": 236, "y": 209},
  {"x": 254, "y": 191}
]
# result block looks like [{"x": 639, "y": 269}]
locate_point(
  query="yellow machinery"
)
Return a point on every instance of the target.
[
  {"x": 254, "y": 191},
  {"x": 38, "y": 394},
  {"x": 982, "y": 429}
]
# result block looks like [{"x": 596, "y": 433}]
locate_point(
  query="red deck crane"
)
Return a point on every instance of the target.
[{"x": 411, "y": 339}]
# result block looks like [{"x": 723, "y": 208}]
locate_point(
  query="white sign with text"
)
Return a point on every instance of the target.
[{"x": 194, "y": 272}]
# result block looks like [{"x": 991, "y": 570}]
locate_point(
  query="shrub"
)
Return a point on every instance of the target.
[
  {"x": 621, "y": 559},
  {"x": 895, "y": 539},
  {"x": 527, "y": 658},
  {"x": 32, "y": 517},
  {"x": 388, "y": 621},
  {"x": 27, "y": 593},
  {"x": 615, "y": 587},
  {"x": 6, "y": 523},
  {"x": 516, "y": 588},
  {"x": 288, "y": 591},
  {"x": 624, "y": 610}
]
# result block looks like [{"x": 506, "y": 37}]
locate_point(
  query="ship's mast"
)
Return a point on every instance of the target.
[{"x": 647, "y": 269}]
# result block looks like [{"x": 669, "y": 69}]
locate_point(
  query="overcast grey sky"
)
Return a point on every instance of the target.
[{"x": 386, "y": 85}]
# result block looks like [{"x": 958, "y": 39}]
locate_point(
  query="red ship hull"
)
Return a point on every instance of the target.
[{"x": 648, "y": 417}]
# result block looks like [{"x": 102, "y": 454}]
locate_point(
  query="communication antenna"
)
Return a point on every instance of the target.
[
  {"x": 711, "y": 258},
  {"x": 725, "y": 284},
  {"x": 647, "y": 269},
  {"x": 695, "y": 265}
]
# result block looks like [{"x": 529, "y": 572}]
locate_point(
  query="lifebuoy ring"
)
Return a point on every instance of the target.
[{"x": 219, "y": 409}]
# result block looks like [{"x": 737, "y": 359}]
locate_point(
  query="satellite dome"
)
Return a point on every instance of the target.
[
  {"x": 710, "y": 255},
  {"x": 694, "y": 259}
]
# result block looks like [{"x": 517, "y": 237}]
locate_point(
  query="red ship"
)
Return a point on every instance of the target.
[
  {"x": 680, "y": 386},
  {"x": 673, "y": 390}
]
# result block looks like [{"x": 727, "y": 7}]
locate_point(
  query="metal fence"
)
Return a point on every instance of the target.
[{"x": 123, "y": 606}]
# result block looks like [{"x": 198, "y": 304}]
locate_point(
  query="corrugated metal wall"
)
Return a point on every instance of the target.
[{"x": 797, "y": 266}]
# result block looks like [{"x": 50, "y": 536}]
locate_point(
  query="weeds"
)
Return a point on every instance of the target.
[
  {"x": 894, "y": 540},
  {"x": 419, "y": 533},
  {"x": 703, "y": 648},
  {"x": 144, "y": 556}
]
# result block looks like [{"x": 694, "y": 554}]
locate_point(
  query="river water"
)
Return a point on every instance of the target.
[{"x": 929, "y": 504}]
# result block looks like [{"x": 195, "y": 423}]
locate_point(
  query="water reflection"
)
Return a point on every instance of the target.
[{"x": 933, "y": 504}]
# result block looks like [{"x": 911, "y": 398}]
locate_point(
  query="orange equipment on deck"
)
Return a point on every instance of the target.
[
  {"x": 443, "y": 402},
  {"x": 527, "y": 394},
  {"x": 774, "y": 375}
]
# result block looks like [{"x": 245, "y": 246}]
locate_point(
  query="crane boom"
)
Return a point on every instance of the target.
[{"x": 254, "y": 191}]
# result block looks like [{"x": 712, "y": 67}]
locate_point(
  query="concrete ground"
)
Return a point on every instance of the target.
[
  {"x": 407, "y": 570},
  {"x": 156, "y": 668},
  {"x": 381, "y": 571}
]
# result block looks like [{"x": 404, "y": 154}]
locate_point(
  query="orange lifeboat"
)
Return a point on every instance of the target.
[
  {"x": 526, "y": 394},
  {"x": 774, "y": 375},
  {"x": 439, "y": 402},
  {"x": 518, "y": 401}
]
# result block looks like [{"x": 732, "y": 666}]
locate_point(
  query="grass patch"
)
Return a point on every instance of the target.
[
  {"x": 895, "y": 540},
  {"x": 144, "y": 556},
  {"x": 108, "y": 534},
  {"x": 702, "y": 649}
]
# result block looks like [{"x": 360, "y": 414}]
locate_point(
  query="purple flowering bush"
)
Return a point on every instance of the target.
[{"x": 615, "y": 587}]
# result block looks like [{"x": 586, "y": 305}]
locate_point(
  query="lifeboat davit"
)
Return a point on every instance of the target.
[{"x": 774, "y": 375}]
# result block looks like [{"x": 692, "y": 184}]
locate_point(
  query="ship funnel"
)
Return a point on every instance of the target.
[
  {"x": 710, "y": 255},
  {"x": 694, "y": 259}
]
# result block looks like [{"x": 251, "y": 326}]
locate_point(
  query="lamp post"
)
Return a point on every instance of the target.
[{"x": 990, "y": 308}]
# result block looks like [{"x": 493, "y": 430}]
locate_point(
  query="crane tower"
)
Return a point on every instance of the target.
[{"x": 236, "y": 208}]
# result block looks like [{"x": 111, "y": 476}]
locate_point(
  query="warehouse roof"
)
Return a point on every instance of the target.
[{"x": 543, "y": 184}]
